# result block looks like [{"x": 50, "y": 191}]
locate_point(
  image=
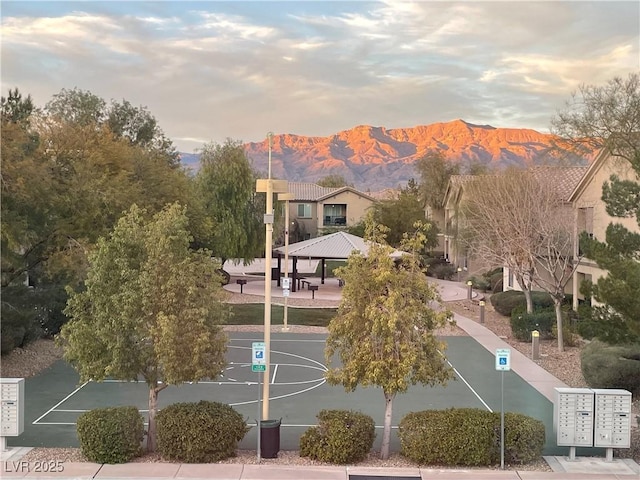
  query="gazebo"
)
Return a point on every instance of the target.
[{"x": 335, "y": 246}]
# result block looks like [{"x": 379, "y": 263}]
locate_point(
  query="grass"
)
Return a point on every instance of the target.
[{"x": 253, "y": 314}]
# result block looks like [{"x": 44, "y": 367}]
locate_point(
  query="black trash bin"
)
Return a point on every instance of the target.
[{"x": 270, "y": 438}]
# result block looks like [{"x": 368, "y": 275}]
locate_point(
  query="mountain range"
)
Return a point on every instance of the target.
[{"x": 374, "y": 158}]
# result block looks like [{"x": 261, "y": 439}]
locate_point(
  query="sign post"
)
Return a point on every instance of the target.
[
  {"x": 503, "y": 364},
  {"x": 259, "y": 365}
]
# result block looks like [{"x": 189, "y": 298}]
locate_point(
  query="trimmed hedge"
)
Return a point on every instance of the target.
[
  {"x": 111, "y": 435},
  {"x": 342, "y": 436},
  {"x": 469, "y": 437},
  {"x": 522, "y": 324},
  {"x": 202, "y": 432},
  {"x": 612, "y": 366}
]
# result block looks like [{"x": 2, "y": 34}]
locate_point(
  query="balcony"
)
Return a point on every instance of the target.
[{"x": 334, "y": 221}]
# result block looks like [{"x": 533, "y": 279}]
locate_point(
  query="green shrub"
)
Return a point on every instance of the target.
[
  {"x": 612, "y": 366},
  {"x": 463, "y": 436},
  {"x": 111, "y": 435},
  {"x": 506, "y": 302},
  {"x": 20, "y": 323},
  {"x": 469, "y": 437},
  {"x": 342, "y": 436},
  {"x": 443, "y": 271},
  {"x": 201, "y": 432},
  {"x": 522, "y": 324},
  {"x": 605, "y": 325},
  {"x": 524, "y": 438},
  {"x": 479, "y": 283}
]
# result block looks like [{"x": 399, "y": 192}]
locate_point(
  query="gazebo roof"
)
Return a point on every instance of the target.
[{"x": 337, "y": 245}]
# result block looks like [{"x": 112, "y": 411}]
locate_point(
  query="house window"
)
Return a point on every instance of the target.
[
  {"x": 585, "y": 220},
  {"x": 510, "y": 279},
  {"x": 304, "y": 210}
]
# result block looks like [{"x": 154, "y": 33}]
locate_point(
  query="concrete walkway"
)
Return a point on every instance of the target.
[{"x": 582, "y": 469}]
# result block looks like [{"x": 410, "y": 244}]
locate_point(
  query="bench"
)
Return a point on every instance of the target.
[
  {"x": 242, "y": 282},
  {"x": 313, "y": 289},
  {"x": 305, "y": 282}
]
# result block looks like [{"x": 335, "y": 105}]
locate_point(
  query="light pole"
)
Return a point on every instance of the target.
[
  {"x": 268, "y": 220},
  {"x": 286, "y": 197},
  {"x": 270, "y": 187}
]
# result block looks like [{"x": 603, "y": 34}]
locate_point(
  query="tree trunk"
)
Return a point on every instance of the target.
[
  {"x": 527, "y": 297},
  {"x": 153, "y": 407},
  {"x": 386, "y": 432},
  {"x": 558, "y": 308}
]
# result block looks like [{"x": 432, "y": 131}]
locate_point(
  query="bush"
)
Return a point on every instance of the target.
[
  {"x": 342, "y": 436},
  {"x": 522, "y": 324},
  {"x": 524, "y": 438},
  {"x": 202, "y": 432},
  {"x": 612, "y": 366},
  {"x": 469, "y": 437},
  {"x": 20, "y": 324},
  {"x": 480, "y": 283},
  {"x": 506, "y": 302},
  {"x": 443, "y": 271},
  {"x": 605, "y": 325},
  {"x": 464, "y": 436},
  {"x": 111, "y": 435}
]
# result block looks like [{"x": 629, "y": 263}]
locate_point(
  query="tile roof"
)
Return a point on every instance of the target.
[
  {"x": 563, "y": 179},
  {"x": 308, "y": 192}
]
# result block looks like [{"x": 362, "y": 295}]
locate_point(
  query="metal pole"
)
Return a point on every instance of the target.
[
  {"x": 502, "y": 421},
  {"x": 286, "y": 262},
  {"x": 258, "y": 420},
  {"x": 267, "y": 291}
]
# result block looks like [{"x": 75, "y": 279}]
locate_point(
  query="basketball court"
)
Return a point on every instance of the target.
[{"x": 298, "y": 391}]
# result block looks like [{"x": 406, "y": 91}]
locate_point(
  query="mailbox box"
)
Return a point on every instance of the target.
[
  {"x": 613, "y": 418},
  {"x": 12, "y": 407},
  {"x": 573, "y": 417}
]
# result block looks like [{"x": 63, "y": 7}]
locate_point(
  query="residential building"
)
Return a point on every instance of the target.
[
  {"x": 314, "y": 210},
  {"x": 591, "y": 215}
]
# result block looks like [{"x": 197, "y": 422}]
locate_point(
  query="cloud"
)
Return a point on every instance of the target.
[{"x": 239, "y": 69}]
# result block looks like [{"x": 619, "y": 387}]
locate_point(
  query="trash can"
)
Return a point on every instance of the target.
[{"x": 270, "y": 438}]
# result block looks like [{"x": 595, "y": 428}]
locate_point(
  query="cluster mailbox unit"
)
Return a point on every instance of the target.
[
  {"x": 12, "y": 408},
  {"x": 585, "y": 417}
]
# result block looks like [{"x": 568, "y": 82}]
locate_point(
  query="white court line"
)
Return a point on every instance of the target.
[
  {"x": 470, "y": 387},
  {"x": 275, "y": 340},
  {"x": 59, "y": 403},
  {"x": 282, "y": 396},
  {"x": 273, "y": 378}
]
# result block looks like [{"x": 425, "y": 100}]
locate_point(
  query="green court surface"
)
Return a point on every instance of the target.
[{"x": 55, "y": 399}]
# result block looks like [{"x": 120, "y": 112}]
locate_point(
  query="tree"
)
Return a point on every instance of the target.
[
  {"x": 225, "y": 189},
  {"x": 400, "y": 214},
  {"x": 500, "y": 227},
  {"x": 435, "y": 171},
  {"x": 383, "y": 334},
  {"x": 518, "y": 220},
  {"x": 334, "y": 181},
  {"x": 16, "y": 109},
  {"x": 609, "y": 117},
  {"x": 603, "y": 116},
  {"x": 151, "y": 308},
  {"x": 135, "y": 124}
]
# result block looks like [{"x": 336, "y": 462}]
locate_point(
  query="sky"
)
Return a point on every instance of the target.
[{"x": 214, "y": 70}]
